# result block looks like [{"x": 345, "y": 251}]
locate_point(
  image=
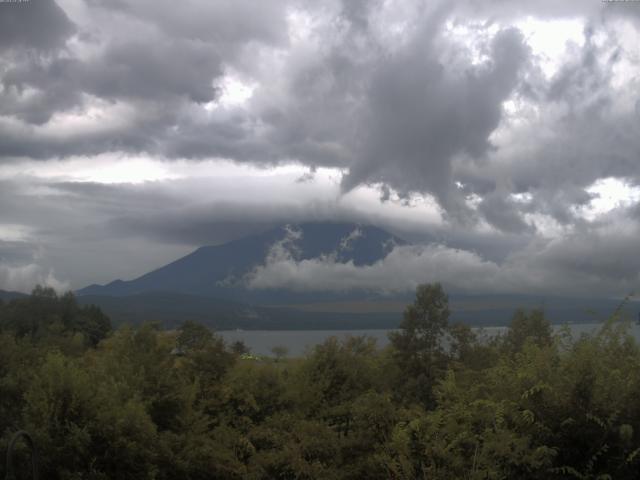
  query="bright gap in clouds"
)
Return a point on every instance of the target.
[
  {"x": 125, "y": 171},
  {"x": 13, "y": 233},
  {"x": 549, "y": 39},
  {"x": 234, "y": 93},
  {"x": 609, "y": 193},
  {"x": 106, "y": 168},
  {"x": 300, "y": 25}
]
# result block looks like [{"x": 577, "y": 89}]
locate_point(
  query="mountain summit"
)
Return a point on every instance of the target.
[
  {"x": 220, "y": 271},
  {"x": 212, "y": 285}
]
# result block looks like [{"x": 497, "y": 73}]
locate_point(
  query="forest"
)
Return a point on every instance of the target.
[{"x": 440, "y": 402}]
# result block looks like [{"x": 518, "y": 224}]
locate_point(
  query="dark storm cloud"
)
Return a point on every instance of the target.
[
  {"x": 502, "y": 213},
  {"x": 67, "y": 237},
  {"x": 164, "y": 212},
  {"x": 41, "y": 105},
  {"x": 164, "y": 68},
  {"x": 141, "y": 70},
  {"x": 15, "y": 252},
  {"x": 165, "y": 215},
  {"x": 395, "y": 116},
  {"x": 390, "y": 114},
  {"x": 159, "y": 214},
  {"x": 383, "y": 92},
  {"x": 36, "y": 204},
  {"x": 224, "y": 23},
  {"x": 219, "y": 224},
  {"x": 39, "y": 24},
  {"x": 357, "y": 12},
  {"x": 18, "y": 141},
  {"x": 421, "y": 115},
  {"x": 582, "y": 133},
  {"x": 599, "y": 255}
]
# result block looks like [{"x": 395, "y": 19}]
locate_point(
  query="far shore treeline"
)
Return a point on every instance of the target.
[{"x": 146, "y": 403}]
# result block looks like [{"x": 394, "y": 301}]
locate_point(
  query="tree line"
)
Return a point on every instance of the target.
[{"x": 439, "y": 402}]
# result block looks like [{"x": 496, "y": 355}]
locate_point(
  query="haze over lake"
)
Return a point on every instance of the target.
[{"x": 298, "y": 342}]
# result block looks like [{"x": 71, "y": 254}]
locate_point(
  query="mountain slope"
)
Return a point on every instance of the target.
[
  {"x": 172, "y": 309},
  {"x": 218, "y": 270},
  {"x": 207, "y": 286},
  {"x": 7, "y": 295}
]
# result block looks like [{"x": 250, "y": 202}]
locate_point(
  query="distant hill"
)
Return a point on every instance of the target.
[
  {"x": 215, "y": 270},
  {"x": 172, "y": 309},
  {"x": 495, "y": 310},
  {"x": 205, "y": 286},
  {"x": 8, "y": 295}
]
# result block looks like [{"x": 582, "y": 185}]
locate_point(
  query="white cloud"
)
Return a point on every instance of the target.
[
  {"x": 551, "y": 40},
  {"x": 568, "y": 265},
  {"x": 13, "y": 233},
  {"x": 608, "y": 193},
  {"x": 24, "y": 278},
  {"x": 262, "y": 93},
  {"x": 401, "y": 270}
]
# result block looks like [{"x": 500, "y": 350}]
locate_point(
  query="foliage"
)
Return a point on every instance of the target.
[
  {"x": 418, "y": 348},
  {"x": 439, "y": 402},
  {"x": 44, "y": 316}
]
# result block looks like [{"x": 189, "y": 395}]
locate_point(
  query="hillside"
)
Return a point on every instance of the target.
[
  {"x": 7, "y": 295},
  {"x": 172, "y": 309},
  {"x": 217, "y": 271},
  {"x": 206, "y": 286}
]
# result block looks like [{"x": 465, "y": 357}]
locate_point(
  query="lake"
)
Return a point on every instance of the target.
[{"x": 299, "y": 341}]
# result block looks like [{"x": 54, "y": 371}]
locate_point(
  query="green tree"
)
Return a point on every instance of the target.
[
  {"x": 45, "y": 315},
  {"x": 418, "y": 346},
  {"x": 280, "y": 352},
  {"x": 193, "y": 336},
  {"x": 93, "y": 324},
  {"x": 528, "y": 326},
  {"x": 239, "y": 348}
]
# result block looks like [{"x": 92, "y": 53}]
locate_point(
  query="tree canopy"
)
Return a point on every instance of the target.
[{"x": 441, "y": 401}]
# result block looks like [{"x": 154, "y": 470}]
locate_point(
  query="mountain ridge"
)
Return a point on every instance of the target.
[
  {"x": 7, "y": 295},
  {"x": 207, "y": 285},
  {"x": 218, "y": 270}
]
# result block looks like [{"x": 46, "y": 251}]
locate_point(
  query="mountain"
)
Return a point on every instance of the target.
[
  {"x": 217, "y": 271},
  {"x": 7, "y": 295},
  {"x": 207, "y": 286},
  {"x": 172, "y": 309}
]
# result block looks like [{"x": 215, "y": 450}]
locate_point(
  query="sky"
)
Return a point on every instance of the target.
[{"x": 501, "y": 138}]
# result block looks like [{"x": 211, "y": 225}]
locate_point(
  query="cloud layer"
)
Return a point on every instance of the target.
[
  {"x": 569, "y": 266},
  {"x": 483, "y": 131}
]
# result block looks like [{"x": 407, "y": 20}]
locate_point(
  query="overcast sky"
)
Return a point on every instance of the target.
[{"x": 502, "y": 136}]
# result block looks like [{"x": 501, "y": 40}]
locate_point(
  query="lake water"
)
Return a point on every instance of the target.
[{"x": 299, "y": 341}]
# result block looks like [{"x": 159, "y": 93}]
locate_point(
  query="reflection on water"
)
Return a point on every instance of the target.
[{"x": 299, "y": 341}]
